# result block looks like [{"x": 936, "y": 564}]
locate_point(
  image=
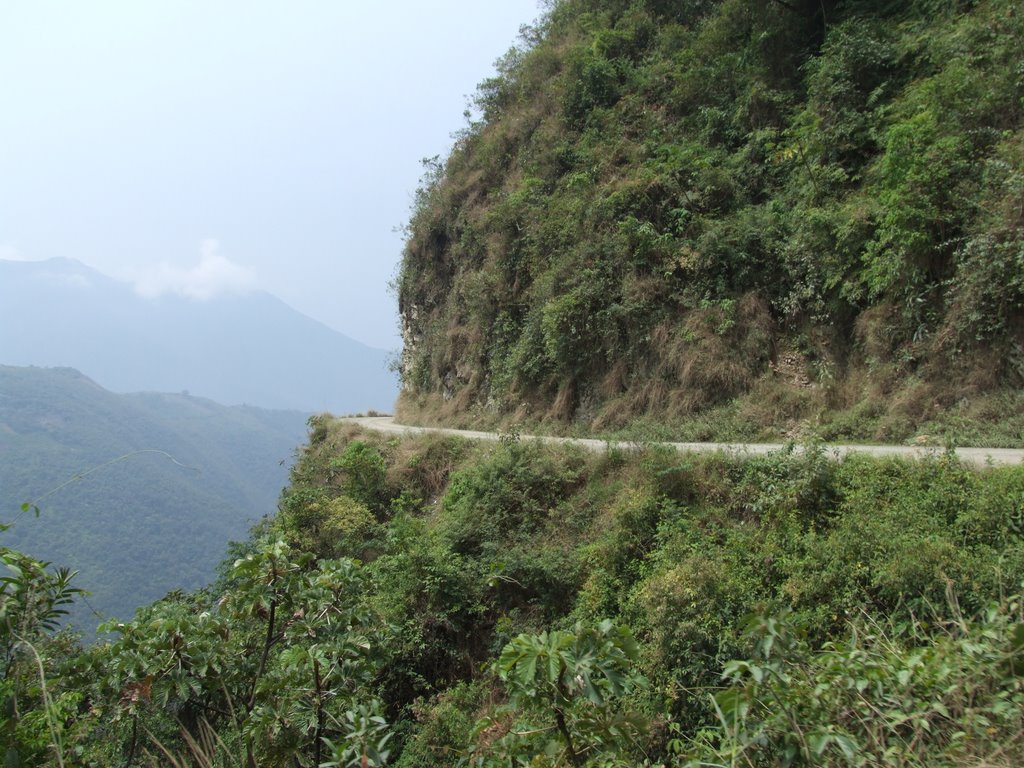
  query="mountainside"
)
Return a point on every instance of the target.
[
  {"x": 249, "y": 348},
  {"x": 713, "y": 218},
  {"x": 424, "y": 601},
  {"x": 732, "y": 219},
  {"x": 193, "y": 475}
]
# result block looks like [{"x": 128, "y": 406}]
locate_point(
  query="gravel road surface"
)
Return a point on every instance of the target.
[{"x": 980, "y": 457}]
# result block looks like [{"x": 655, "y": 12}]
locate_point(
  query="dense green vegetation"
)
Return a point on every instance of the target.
[
  {"x": 725, "y": 218},
  {"x": 429, "y": 601},
  {"x": 732, "y": 219},
  {"x": 142, "y": 492}
]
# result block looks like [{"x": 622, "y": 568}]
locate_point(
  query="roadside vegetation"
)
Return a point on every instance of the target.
[{"x": 430, "y": 601}]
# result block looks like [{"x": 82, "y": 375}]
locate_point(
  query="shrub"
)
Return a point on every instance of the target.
[{"x": 888, "y": 694}]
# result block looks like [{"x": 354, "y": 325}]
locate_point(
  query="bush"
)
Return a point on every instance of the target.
[
  {"x": 505, "y": 497},
  {"x": 888, "y": 694}
]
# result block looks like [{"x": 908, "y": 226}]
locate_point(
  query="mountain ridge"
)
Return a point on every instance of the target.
[
  {"x": 142, "y": 492},
  {"x": 235, "y": 349}
]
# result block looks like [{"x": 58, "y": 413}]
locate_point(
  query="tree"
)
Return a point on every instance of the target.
[
  {"x": 32, "y": 600},
  {"x": 565, "y": 694}
]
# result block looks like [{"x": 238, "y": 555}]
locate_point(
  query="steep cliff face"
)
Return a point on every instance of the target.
[{"x": 800, "y": 215}]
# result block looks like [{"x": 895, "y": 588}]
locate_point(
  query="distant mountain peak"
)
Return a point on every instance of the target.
[
  {"x": 233, "y": 348},
  {"x": 59, "y": 269},
  {"x": 53, "y": 262}
]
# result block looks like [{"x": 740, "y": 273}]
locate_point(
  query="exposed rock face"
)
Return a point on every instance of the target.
[{"x": 410, "y": 343}]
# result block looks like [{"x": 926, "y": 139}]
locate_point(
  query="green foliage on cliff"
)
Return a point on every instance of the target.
[
  {"x": 521, "y": 604},
  {"x": 799, "y": 208}
]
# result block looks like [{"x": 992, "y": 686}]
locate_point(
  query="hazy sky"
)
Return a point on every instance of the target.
[{"x": 200, "y": 146}]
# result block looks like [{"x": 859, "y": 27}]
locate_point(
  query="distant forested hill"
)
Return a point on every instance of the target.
[
  {"x": 235, "y": 349},
  {"x": 735, "y": 218},
  {"x": 194, "y": 475}
]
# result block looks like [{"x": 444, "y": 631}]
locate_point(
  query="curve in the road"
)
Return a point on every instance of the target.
[{"x": 980, "y": 457}]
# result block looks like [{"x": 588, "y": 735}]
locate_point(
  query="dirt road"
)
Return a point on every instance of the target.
[{"x": 980, "y": 457}]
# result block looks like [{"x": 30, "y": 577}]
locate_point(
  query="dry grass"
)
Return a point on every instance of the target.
[
  {"x": 875, "y": 334},
  {"x": 564, "y": 404},
  {"x": 716, "y": 373},
  {"x": 613, "y": 383},
  {"x": 787, "y": 406},
  {"x": 708, "y": 357},
  {"x": 425, "y": 462},
  {"x": 205, "y": 749}
]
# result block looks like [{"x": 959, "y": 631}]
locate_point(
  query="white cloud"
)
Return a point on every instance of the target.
[
  {"x": 214, "y": 275},
  {"x": 10, "y": 252}
]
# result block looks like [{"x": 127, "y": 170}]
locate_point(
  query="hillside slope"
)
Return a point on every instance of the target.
[
  {"x": 426, "y": 601},
  {"x": 747, "y": 218},
  {"x": 195, "y": 475}
]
